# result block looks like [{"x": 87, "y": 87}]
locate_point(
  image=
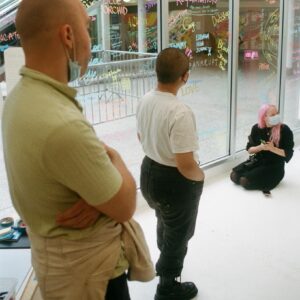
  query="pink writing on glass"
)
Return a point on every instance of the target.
[
  {"x": 188, "y": 52},
  {"x": 115, "y": 10},
  {"x": 5, "y": 37},
  {"x": 150, "y": 4},
  {"x": 251, "y": 55},
  {"x": 182, "y": 2}
]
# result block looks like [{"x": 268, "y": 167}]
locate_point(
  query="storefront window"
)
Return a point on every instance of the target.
[
  {"x": 292, "y": 90},
  {"x": 132, "y": 25},
  {"x": 200, "y": 29},
  {"x": 257, "y": 80},
  {"x": 121, "y": 70}
]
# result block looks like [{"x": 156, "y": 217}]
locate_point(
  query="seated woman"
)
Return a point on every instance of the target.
[{"x": 271, "y": 142}]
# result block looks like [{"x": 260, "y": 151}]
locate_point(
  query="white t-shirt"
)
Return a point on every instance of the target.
[{"x": 166, "y": 126}]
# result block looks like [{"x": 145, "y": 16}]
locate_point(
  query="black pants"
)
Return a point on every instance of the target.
[
  {"x": 262, "y": 176},
  {"x": 175, "y": 200},
  {"x": 117, "y": 289}
]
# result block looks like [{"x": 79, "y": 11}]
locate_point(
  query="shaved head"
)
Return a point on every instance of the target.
[
  {"x": 171, "y": 64},
  {"x": 54, "y": 31},
  {"x": 38, "y": 18}
]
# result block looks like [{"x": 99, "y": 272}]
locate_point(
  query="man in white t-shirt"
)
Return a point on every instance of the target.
[{"x": 171, "y": 179}]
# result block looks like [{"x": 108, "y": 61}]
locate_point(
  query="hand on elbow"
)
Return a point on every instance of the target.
[{"x": 121, "y": 207}]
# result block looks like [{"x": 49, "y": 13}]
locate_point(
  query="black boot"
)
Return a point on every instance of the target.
[
  {"x": 170, "y": 289},
  {"x": 267, "y": 193}
]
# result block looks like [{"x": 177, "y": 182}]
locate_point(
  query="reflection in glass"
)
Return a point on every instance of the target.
[
  {"x": 201, "y": 30},
  {"x": 94, "y": 30},
  {"x": 258, "y": 58},
  {"x": 292, "y": 91}
]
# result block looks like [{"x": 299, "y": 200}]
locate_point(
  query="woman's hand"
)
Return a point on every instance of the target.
[
  {"x": 269, "y": 146},
  {"x": 256, "y": 149}
]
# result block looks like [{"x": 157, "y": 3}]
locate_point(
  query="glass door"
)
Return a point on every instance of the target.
[
  {"x": 257, "y": 80},
  {"x": 130, "y": 25},
  {"x": 201, "y": 29},
  {"x": 292, "y": 70}
]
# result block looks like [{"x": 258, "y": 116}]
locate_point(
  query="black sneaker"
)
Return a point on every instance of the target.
[{"x": 176, "y": 291}]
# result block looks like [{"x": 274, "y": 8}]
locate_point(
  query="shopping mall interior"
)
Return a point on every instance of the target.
[{"x": 243, "y": 54}]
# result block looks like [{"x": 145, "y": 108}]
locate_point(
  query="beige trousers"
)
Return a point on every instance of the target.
[{"x": 75, "y": 270}]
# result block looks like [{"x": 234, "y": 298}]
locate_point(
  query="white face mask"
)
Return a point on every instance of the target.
[
  {"x": 74, "y": 68},
  {"x": 274, "y": 120}
]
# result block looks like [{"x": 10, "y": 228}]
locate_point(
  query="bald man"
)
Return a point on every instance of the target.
[{"x": 53, "y": 159}]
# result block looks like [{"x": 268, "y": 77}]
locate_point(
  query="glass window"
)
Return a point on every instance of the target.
[
  {"x": 132, "y": 25},
  {"x": 257, "y": 81},
  {"x": 200, "y": 28},
  {"x": 292, "y": 89},
  {"x": 94, "y": 32}
]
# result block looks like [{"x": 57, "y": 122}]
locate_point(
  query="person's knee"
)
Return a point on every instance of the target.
[
  {"x": 244, "y": 182},
  {"x": 234, "y": 177}
]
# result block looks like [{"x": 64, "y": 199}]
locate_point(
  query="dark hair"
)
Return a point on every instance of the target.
[{"x": 171, "y": 64}]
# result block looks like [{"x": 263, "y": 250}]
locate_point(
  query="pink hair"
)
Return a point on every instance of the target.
[{"x": 275, "y": 132}]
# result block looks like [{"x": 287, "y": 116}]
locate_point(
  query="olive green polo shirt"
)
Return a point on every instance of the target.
[{"x": 53, "y": 156}]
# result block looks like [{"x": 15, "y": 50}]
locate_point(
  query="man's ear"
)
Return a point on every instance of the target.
[
  {"x": 66, "y": 35},
  {"x": 185, "y": 76}
]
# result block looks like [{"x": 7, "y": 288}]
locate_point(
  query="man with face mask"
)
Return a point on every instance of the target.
[
  {"x": 171, "y": 179},
  {"x": 270, "y": 145},
  {"x": 54, "y": 158}
]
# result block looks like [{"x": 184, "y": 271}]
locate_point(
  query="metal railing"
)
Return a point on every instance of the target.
[
  {"x": 8, "y": 10},
  {"x": 113, "y": 83}
]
